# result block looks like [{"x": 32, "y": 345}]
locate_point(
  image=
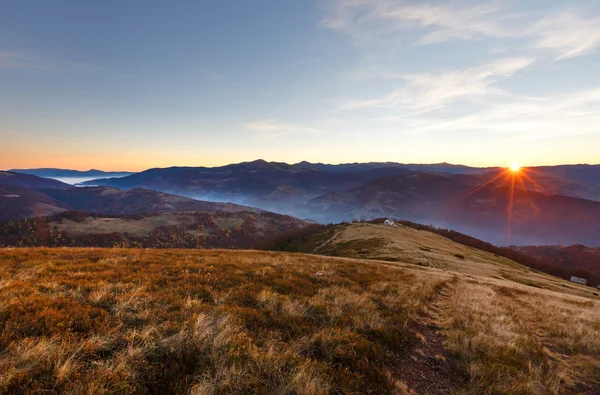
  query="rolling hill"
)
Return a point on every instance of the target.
[
  {"x": 19, "y": 203},
  {"x": 30, "y": 181},
  {"x": 190, "y": 229},
  {"x": 424, "y": 246},
  {"x": 112, "y": 201}
]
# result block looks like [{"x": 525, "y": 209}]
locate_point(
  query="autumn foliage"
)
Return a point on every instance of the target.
[{"x": 201, "y": 230}]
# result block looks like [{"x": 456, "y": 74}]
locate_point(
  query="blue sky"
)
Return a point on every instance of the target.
[{"x": 138, "y": 84}]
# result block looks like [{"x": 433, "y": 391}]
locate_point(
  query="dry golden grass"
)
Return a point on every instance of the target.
[
  {"x": 203, "y": 322},
  {"x": 418, "y": 247},
  {"x": 403, "y": 244},
  {"x": 136, "y": 226},
  {"x": 511, "y": 338},
  {"x": 213, "y": 322}
]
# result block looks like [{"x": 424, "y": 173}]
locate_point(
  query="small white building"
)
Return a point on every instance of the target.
[
  {"x": 389, "y": 222},
  {"x": 579, "y": 280}
]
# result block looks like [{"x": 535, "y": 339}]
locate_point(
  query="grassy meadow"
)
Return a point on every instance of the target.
[{"x": 92, "y": 321}]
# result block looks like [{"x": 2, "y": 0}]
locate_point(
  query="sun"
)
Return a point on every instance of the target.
[{"x": 515, "y": 167}]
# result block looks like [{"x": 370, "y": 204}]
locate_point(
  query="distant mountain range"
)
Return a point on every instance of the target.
[
  {"x": 550, "y": 205},
  {"x": 270, "y": 185},
  {"x": 65, "y": 173},
  {"x": 263, "y": 184}
]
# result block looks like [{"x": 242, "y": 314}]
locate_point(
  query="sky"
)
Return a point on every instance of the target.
[{"x": 130, "y": 85}]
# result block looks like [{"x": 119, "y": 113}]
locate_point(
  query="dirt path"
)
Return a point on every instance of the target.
[{"x": 426, "y": 368}]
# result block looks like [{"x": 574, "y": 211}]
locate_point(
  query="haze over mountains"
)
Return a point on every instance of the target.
[
  {"x": 538, "y": 205},
  {"x": 24, "y": 196},
  {"x": 552, "y": 204},
  {"x": 460, "y": 202}
]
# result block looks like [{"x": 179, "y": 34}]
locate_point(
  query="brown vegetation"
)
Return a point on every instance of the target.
[
  {"x": 207, "y": 322},
  {"x": 161, "y": 230},
  {"x": 576, "y": 260},
  {"x": 558, "y": 261}
]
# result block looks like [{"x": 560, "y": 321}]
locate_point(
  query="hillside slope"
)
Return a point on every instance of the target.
[
  {"x": 190, "y": 229},
  {"x": 29, "y": 181},
  {"x": 112, "y": 201},
  {"x": 19, "y": 203},
  {"x": 399, "y": 243},
  {"x": 577, "y": 260},
  {"x": 148, "y": 321}
]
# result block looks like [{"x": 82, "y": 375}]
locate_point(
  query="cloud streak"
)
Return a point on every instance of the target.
[
  {"x": 434, "y": 91},
  {"x": 565, "y": 33},
  {"x": 569, "y": 114}
]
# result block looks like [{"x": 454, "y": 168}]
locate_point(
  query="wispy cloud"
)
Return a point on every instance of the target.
[
  {"x": 521, "y": 118},
  {"x": 274, "y": 128},
  {"x": 434, "y": 91},
  {"x": 382, "y": 19},
  {"x": 567, "y": 34}
]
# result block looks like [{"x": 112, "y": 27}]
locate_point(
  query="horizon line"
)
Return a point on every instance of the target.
[{"x": 299, "y": 163}]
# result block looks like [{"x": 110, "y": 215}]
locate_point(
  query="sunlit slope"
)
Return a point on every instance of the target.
[
  {"x": 399, "y": 243},
  {"x": 210, "y": 322}
]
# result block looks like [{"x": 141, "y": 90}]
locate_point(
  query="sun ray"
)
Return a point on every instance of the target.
[
  {"x": 526, "y": 190},
  {"x": 487, "y": 183},
  {"x": 535, "y": 183},
  {"x": 510, "y": 208}
]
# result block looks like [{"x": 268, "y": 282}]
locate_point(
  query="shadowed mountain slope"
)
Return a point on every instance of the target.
[
  {"x": 30, "y": 181},
  {"x": 18, "y": 203},
  {"x": 112, "y": 201}
]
